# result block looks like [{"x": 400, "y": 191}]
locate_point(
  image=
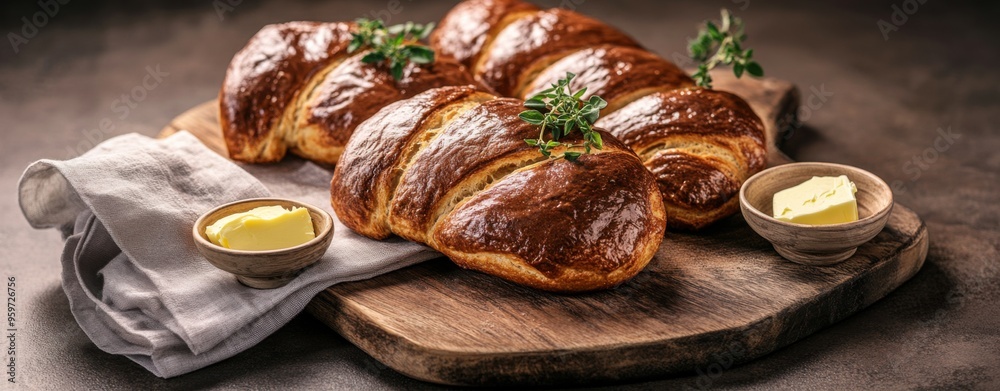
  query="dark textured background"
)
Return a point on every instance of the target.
[{"x": 889, "y": 98}]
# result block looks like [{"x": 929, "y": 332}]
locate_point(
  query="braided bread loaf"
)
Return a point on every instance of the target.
[
  {"x": 295, "y": 87},
  {"x": 450, "y": 168},
  {"x": 700, "y": 144}
]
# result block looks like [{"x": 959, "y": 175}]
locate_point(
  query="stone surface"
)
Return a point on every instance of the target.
[{"x": 871, "y": 102}]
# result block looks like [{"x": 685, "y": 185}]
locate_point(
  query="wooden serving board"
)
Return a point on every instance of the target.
[{"x": 712, "y": 299}]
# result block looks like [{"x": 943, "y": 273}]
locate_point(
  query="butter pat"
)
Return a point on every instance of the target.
[
  {"x": 818, "y": 201},
  {"x": 263, "y": 228}
]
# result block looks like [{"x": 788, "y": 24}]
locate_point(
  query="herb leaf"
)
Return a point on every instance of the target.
[
  {"x": 722, "y": 45},
  {"x": 533, "y": 117},
  {"x": 559, "y": 111},
  {"x": 393, "y": 45}
]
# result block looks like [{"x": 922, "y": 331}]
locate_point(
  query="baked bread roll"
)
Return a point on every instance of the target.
[
  {"x": 700, "y": 144},
  {"x": 450, "y": 168},
  {"x": 294, "y": 87}
]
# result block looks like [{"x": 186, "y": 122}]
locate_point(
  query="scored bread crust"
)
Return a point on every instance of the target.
[
  {"x": 700, "y": 144},
  {"x": 470, "y": 26},
  {"x": 450, "y": 168},
  {"x": 483, "y": 141},
  {"x": 364, "y": 181},
  {"x": 264, "y": 79},
  {"x": 543, "y": 232},
  {"x": 531, "y": 42},
  {"x": 598, "y": 68},
  {"x": 295, "y": 88}
]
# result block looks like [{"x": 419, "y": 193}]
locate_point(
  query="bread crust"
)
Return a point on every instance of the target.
[
  {"x": 295, "y": 88},
  {"x": 264, "y": 79},
  {"x": 598, "y": 69},
  {"x": 469, "y": 25},
  {"x": 363, "y": 184},
  {"x": 354, "y": 91},
  {"x": 476, "y": 144},
  {"x": 449, "y": 168},
  {"x": 700, "y": 144},
  {"x": 531, "y": 42},
  {"x": 594, "y": 234}
]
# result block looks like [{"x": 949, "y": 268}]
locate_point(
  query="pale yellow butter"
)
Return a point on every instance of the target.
[
  {"x": 263, "y": 228},
  {"x": 818, "y": 201}
]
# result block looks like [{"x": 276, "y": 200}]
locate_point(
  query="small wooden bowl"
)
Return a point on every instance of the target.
[
  {"x": 816, "y": 245},
  {"x": 264, "y": 269}
]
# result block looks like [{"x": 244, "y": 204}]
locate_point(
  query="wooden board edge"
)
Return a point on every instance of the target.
[{"x": 749, "y": 342}]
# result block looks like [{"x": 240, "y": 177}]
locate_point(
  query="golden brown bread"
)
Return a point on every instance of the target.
[
  {"x": 700, "y": 144},
  {"x": 464, "y": 37},
  {"x": 532, "y": 41},
  {"x": 295, "y": 88},
  {"x": 603, "y": 70},
  {"x": 450, "y": 168}
]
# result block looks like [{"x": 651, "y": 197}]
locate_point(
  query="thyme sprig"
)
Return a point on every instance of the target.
[
  {"x": 722, "y": 45},
  {"x": 395, "y": 45},
  {"x": 558, "y": 111}
]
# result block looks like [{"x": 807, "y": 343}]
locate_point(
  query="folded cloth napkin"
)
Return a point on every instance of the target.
[{"x": 135, "y": 281}]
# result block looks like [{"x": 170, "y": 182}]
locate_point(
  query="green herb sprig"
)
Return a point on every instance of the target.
[
  {"x": 558, "y": 111},
  {"x": 722, "y": 45},
  {"x": 393, "y": 45}
]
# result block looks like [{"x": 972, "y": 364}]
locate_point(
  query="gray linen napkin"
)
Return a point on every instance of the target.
[{"x": 136, "y": 284}]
